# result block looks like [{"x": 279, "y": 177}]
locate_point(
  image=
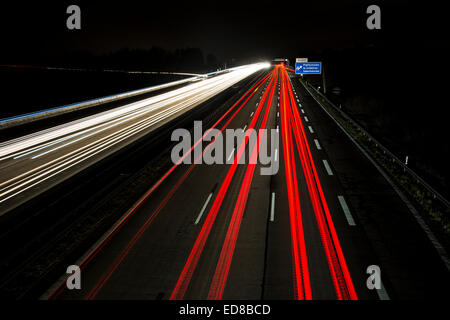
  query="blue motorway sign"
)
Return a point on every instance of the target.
[{"x": 308, "y": 67}]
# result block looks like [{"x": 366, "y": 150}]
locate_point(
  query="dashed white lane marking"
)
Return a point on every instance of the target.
[
  {"x": 347, "y": 213},
  {"x": 327, "y": 167},
  {"x": 252, "y": 114},
  {"x": 311, "y": 129},
  {"x": 203, "y": 209},
  {"x": 303, "y": 111},
  {"x": 245, "y": 127},
  {"x": 306, "y": 119},
  {"x": 278, "y": 128},
  {"x": 317, "y": 144},
  {"x": 272, "y": 207}
]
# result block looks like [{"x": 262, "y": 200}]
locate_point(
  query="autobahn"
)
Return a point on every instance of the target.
[
  {"x": 310, "y": 231},
  {"x": 225, "y": 231}
]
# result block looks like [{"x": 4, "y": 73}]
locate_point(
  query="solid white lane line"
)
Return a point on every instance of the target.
[
  {"x": 310, "y": 129},
  {"x": 317, "y": 144},
  {"x": 204, "y": 208},
  {"x": 231, "y": 154},
  {"x": 306, "y": 119},
  {"x": 272, "y": 207},
  {"x": 346, "y": 210},
  {"x": 327, "y": 167}
]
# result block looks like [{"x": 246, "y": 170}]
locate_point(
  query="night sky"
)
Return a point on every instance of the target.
[{"x": 228, "y": 29}]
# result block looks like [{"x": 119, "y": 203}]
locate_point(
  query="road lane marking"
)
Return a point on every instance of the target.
[
  {"x": 276, "y": 155},
  {"x": 278, "y": 114},
  {"x": 272, "y": 207},
  {"x": 310, "y": 129},
  {"x": 252, "y": 114},
  {"x": 245, "y": 127},
  {"x": 306, "y": 119},
  {"x": 317, "y": 144},
  {"x": 204, "y": 208},
  {"x": 327, "y": 167},
  {"x": 346, "y": 210},
  {"x": 278, "y": 128},
  {"x": 303, "y": 111}
]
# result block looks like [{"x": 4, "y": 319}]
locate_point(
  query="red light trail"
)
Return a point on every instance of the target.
[
  {"x": 226, "y": 254},
  {"x": 191, "y": 263},
  {"x": 249, "y": 93},
  {"x": 338, "y": 268},
  {"x": 302, "y": 286}
]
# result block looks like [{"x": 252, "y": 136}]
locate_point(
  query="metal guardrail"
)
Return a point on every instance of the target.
[
  {"x": 47, "y": 113},
  {"x": 394, "y": 158}
]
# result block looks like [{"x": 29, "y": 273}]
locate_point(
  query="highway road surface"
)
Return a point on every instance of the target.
[{"x": 224, "y": 231}]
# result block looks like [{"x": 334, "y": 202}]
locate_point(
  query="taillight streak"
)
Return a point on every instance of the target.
[
  {"x": 302, "y": 286},
  {"x": 122, "y": 222},
  {"x": 226, "y": 255},
  {"x": 338, "y": 268},
  {"x": 191, "y": 263}
]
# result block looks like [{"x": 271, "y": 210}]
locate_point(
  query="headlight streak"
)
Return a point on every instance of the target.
[
  {"x": 154, "y": 112},
  {"x": 146, "y": 105}
]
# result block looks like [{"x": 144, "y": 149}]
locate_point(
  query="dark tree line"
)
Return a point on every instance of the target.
[{"x": 153, "y": 59}]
